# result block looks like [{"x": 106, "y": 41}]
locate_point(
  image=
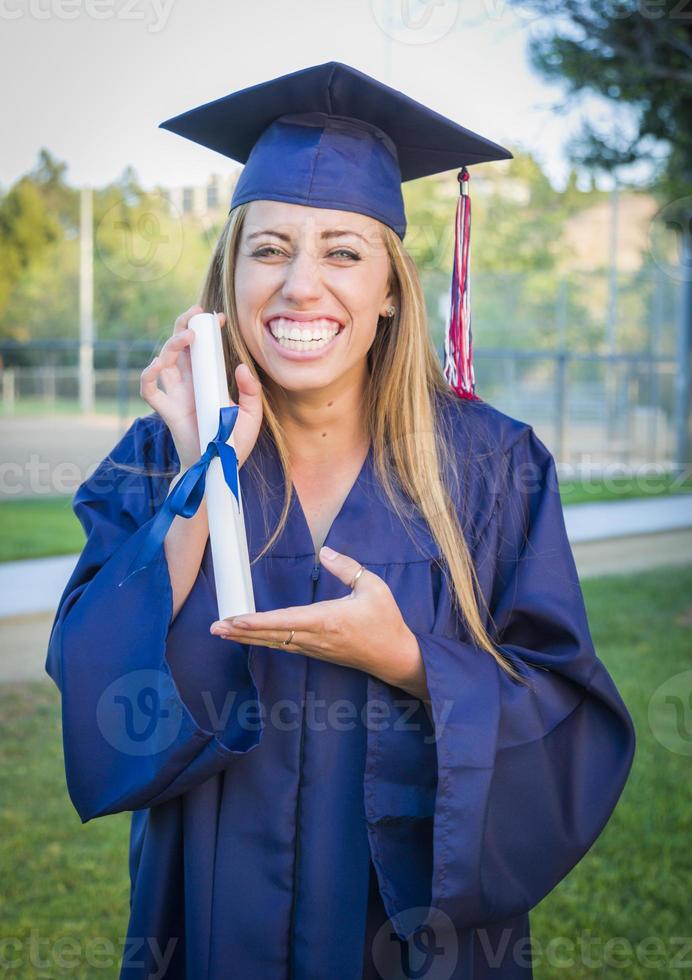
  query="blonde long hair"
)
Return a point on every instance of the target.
[{"x": 407, "y": 441}]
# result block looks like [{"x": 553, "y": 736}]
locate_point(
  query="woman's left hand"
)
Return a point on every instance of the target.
[{"x": 364, "y": 630}]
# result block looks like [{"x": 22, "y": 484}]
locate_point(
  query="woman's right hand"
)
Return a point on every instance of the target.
[{"x": 175, "y": 403}]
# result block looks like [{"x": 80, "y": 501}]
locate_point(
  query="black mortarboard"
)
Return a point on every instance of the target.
[{"x": 330, "y": 136}]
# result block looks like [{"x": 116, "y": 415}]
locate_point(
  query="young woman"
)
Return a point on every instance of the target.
[{"x": 412, "y": 740}]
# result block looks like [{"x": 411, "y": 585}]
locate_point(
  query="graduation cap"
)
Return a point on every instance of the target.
[{"x": 330, "y": 136}]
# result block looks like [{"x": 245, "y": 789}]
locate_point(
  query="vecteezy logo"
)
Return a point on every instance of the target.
[
  {"x": 670, "y": 239},
  {"x": 137, "y": 714},
  {"x": 430, "y": 953},
  {"x": 670, "y": 713},
  {"x": 141, "y": 244},
  {"x": 415, "y": 21}
]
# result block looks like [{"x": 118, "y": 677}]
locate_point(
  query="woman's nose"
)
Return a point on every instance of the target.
[{"x": 303, "y": 280}]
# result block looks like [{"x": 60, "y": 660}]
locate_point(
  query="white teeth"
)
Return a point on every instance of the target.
[
  {"x": 318, "y": 331},
  {"x": 303, "y": 345}
]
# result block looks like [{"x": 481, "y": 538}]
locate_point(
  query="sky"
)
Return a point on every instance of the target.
[{"x": 91, "y": 80}]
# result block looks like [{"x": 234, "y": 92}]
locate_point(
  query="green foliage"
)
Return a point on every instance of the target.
[
  {"x": 27, "y": 229},
  {"x": 518, "y": 250},
  {"x": 61, "y": 200},
  {"x": 44, "y": 303},
  {"x": 636, "y": 54},
  {"x": 149, "y": 262}
]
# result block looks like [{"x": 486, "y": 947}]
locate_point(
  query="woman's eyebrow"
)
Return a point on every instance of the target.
[
  {"x": 333, "y": 233},
  {"x": 338, "y": 232}
]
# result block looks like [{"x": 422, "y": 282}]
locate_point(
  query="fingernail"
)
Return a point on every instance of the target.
[
  {"x": 328, "y": 553},
  {"x": 240, "y": 622}
]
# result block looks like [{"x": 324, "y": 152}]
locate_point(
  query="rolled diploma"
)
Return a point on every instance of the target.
[{"x": 229, "y": 550}]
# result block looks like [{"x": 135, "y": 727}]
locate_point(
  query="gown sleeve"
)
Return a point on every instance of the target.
[
  {"x": 526, "y": 776},
  {"x": 130, "y": 737}
]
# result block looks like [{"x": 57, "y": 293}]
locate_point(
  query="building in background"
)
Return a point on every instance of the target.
[{"x": 211, "y": 199}]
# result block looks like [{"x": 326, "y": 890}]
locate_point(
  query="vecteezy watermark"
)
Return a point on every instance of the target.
[
  {"x": 68, "y": 953},
  {"x": 431, "y": 950},
  {"x": 648, "y": 9},
  {"x": 144, "y": 245},
  {"x": 670, "y": 713},
  {"x": 139, "y": 714},
  {"x": 591, "y": 477},
  {"x": 42, "y": 477},
  {"x": 38, "y": 476},
  {"x": 497, "y": 9},
  {"x": 415, "y": 21},
  {"x": 154, "y": 13},
  {"x": 670, "y": 239},
  {"x": 431, "y": 247},
  {"x": 498, "y": 947}
]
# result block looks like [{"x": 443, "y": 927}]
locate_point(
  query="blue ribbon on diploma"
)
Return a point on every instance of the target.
[{"x": 186, "y": 496}]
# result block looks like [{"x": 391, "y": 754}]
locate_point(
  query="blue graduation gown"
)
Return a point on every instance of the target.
[{"x": 285, "y": 808}]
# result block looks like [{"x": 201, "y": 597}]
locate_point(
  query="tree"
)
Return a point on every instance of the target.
[
  {"x": 27, "y": 230},
  {"x": 62, "y": 201},
  {"x": 517, "y": 247},
  {"x": 636, "y": 54}
]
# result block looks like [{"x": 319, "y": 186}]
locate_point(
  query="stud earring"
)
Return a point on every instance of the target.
[{"x": 390, "y": 311}]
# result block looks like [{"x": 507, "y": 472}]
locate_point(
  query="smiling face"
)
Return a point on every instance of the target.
[{"x": 310, "y": 284}]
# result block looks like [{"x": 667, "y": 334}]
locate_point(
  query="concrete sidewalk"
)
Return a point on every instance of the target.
[
  {"x": 33, "y": 586},
  {"x": 625, "y": 518}
]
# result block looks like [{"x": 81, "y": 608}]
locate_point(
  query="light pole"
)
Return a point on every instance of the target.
[
  {"x": 86, "y": 301},
  {"x": 683, "y": 415}
]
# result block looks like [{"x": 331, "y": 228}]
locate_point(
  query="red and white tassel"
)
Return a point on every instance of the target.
[{"x": 458, "y": 369}]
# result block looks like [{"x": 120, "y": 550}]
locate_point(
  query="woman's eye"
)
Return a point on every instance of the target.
[
  {"x": 347, "y": 252},
  {"x": 267, "y": 250}
]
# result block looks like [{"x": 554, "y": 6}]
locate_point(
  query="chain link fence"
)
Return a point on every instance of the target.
[{"x": 590, "y": 361}]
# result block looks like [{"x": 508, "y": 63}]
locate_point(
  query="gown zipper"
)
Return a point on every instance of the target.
[{"x": 314, "y": 575}]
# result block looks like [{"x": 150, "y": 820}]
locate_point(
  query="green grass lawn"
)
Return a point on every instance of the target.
[
  {"x": 64, "y": 880},
  {"x": 38, "y": 528},
  {"x": 70, "y": 406},
  {"x": 42, "y": 527},
  {"x": 623, "y": 488},
  {"x": 634, "y": 882}
]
